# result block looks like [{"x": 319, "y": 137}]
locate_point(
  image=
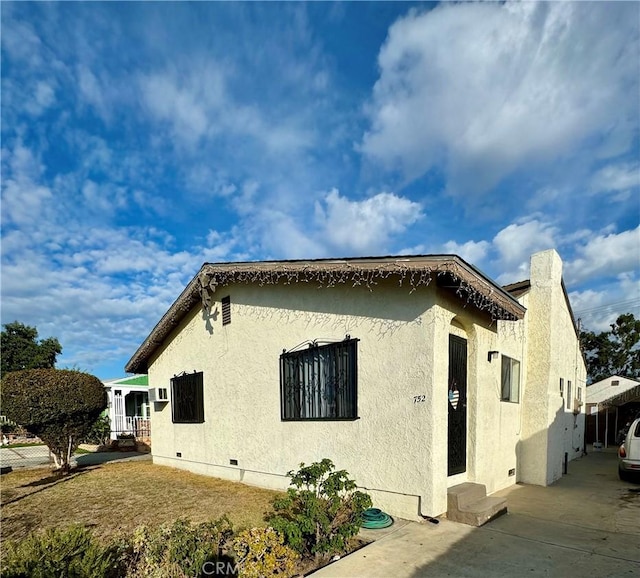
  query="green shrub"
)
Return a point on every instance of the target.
[
  {"x": 261, "y": 552},
  {"x": 100, "y": 432},
  {"x": 175, "y": 550},
  {"x": 70, "y": 553},
  {"x": 57, "y": 405},
  {"x": 321, "y": 511}
]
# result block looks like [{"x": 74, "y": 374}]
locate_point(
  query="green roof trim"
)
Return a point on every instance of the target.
[{"x": 140, "y": 380}]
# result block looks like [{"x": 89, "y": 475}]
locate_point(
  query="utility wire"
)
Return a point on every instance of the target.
[{"x": 629, "y": 302}]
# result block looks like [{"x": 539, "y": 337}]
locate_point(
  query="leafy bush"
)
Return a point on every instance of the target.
[
  {"x": 262, "y": 552},
  {"x": 57, "y": 405},
  {"x": 175, "y": 550},
  {"x": 70, "y": 552},
  {"x": 100, "y": 432},
  {"x": 321, "y": 511}
]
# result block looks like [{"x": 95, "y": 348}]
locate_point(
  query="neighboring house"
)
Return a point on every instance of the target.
[
  {"x": 414, "y": 374},
  {"x": 611, "y": 404},
  {"x": 128, "y": 405}
]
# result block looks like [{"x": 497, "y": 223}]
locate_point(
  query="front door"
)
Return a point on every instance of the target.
[{"x": 457, "y": 462}]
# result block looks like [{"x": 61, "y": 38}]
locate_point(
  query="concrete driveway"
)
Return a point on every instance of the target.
[{"x": 586, "y": 524}]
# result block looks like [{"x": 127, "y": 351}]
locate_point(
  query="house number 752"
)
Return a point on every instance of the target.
[{"x": 419, "y": 398}]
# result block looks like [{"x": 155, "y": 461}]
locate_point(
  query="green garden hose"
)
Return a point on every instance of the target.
[{"x": 374, "y": 519}]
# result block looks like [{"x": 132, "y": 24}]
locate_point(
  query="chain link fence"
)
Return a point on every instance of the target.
[{"x": 25, "y": 455}]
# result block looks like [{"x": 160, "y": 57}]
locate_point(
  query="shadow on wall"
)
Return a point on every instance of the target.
[
  {"x": 277, "y": 305},
  {"x": 541, "y": 456},
  {"x": 341, "y": 299}
]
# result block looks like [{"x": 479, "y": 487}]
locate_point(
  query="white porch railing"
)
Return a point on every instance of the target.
[{"x": 138, "y": 426}]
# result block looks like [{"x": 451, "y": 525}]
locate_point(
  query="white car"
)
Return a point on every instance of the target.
[{"x": 629, "y": 453}]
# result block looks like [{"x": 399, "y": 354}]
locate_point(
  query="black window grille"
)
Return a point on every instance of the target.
[
  {"x": 187, "y": 398},
  {"x": 320, "y": 382},
  {"x": 226, "y": 310}
]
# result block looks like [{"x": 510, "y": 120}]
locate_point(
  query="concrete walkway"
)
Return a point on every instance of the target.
[{"x": 586, "y": 524}]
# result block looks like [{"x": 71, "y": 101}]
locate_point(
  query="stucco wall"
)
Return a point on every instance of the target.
[
  {"x": 397, "y": 449},
  {"x": 550, "y": 428},
  {"x": 390, "y": 448},
  {"x": 493, "y": 426}
]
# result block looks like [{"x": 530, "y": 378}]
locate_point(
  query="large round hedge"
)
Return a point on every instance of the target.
[{"x": 57, "y": 405}]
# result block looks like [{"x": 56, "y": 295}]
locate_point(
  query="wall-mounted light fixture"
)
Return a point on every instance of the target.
[{"x": 491, "y": 355}]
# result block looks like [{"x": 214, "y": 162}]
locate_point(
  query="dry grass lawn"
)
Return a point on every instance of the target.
[{"x": 116, "y": 497}]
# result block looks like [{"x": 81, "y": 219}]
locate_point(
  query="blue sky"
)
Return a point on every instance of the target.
[{"x": 140, "y": 140}]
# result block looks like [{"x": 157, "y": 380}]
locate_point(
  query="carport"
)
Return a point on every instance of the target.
[{"x": 627, "y": 407}]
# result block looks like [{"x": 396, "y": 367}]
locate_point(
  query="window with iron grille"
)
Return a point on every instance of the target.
[
  {"x": 320, "y": 382},
  {"x": 226, "y": 310},
  {"x": 569, "y": 400},
  {"x": 187, "y": 398},
  {"x": 510, "y": 379}
]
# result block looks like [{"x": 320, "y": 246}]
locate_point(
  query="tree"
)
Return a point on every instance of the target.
[
  {"x": 21, "y": 350},
  {"x": 615, "y": 352},
  {"x": 58, "y": 405}
]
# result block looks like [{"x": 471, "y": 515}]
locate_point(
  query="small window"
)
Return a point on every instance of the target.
[
  {"x": 562, "y": 386},
  {"x": 510, "y": 379},
  {"x": 320, "y": 382},
  {"x": 187, "y": 398},
  {"x": 579, "y": 395},
  {"x": 615, "y": 382},
  {"x": 569, "y": 400},
  {"x": 226, "y": 310}
]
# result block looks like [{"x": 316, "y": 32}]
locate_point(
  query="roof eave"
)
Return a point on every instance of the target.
[{"x": 486, "y": 294}]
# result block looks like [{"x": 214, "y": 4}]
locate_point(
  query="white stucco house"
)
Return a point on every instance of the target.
[
  {"x": 128, "y": 405},
  {"x": 415, "y": 374}
]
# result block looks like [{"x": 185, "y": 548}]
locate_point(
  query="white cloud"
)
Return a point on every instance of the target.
[
  {"x": 96, "y": 286},
  {"x": 24, "y": 199},
  {"x": 279, "y": 233},
  {"x": 21, "y": 42},
  {"x": 471, "y": 251},
  {"x": 197, "y": 105},
  {"x": 43, "y": 98},
  {"x": 189, "y": 104},
  {"x": 105, "y": 198},
  {"x": 517, "y": 242},
  {"x": 488, "y": 88},
  {"x": 617, "y": 178},
  {"x": 364, "y": 227},
  {"x": 605, "y": 255},
  {"x": 598, "y": 308}
]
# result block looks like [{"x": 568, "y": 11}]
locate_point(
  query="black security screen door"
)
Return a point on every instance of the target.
[{"x": 457, "y": 396}]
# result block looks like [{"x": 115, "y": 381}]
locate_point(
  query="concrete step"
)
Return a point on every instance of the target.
[
  {"x": 468, "y": 504},
  {"x": 462, "y": 495}
]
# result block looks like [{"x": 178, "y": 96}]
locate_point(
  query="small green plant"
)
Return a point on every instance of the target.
[
  {"x": 100, "y": 432},
  {"x": 261, "y": 552},
  {"x": 71, "y": 552},
  {"x": 175, "y": 550},
  {"x": 321, "y": 511}
]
